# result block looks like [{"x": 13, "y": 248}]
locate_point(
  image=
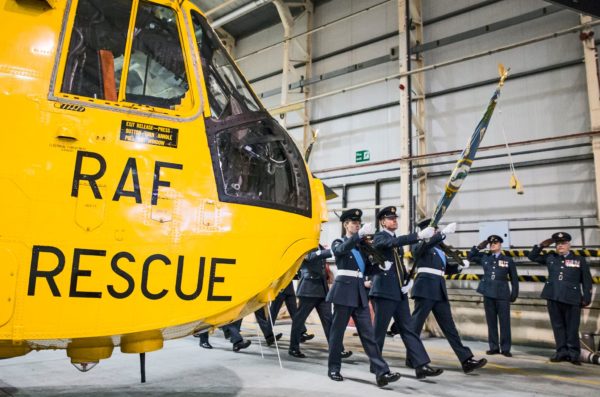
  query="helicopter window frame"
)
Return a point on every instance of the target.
[
  {"x": 191, "y": 101},
  {"x": 220, "y": 73}
]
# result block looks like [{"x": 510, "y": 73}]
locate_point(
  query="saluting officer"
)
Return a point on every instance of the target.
[
  {"x": 311, "y": 293},
  {"x": 349, "y": 297},
  {"x": 389, "y": 292},
  {"x": 430, "y": 294},
  {"x": 569, "y": 287},
  {"x": 496, "y": 293}
]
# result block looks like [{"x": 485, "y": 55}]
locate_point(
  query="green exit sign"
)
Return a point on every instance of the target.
[{"x": 362, "y": 155}]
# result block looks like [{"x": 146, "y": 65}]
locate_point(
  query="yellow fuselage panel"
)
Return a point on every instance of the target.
[{"x": 87, "y": 248}]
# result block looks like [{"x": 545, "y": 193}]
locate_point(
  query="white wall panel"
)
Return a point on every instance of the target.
[{"x": 548, "y": 104}]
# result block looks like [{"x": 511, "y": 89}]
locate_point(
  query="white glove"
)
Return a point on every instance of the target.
[
  {"x": 367, "y": 228},
  {"x": 428, "y": 232},
  {"x": 465, "y": 264},
  {"x": 387, "y": 265},
  {"x": 406, "y": 289},
  {"x": 450, "y": 228}
]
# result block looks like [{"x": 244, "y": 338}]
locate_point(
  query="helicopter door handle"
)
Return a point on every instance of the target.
[{"x": 66, "y": 134}]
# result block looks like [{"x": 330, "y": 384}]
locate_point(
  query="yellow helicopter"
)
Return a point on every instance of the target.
[{"x": 146, "y": 192}]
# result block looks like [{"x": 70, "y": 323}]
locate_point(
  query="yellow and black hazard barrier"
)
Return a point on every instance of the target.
[
  {"x": 522, "y": 253},
  {"x": 590, "y": 253},
  {"x": 534, "y": 279}
]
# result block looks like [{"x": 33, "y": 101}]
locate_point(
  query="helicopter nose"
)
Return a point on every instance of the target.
[{"x": 320, "y": 199}]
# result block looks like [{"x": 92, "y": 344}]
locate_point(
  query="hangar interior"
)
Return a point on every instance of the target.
[{"x": 339, "y": 74}]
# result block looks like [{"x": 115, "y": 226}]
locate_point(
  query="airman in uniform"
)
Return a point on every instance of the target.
[
  {"x": 390, "y": 294},
  {"x": 349, "y": 297},
  {"x": 430, "y": 294},
  {"x": 497, "y": 296},
  {"x": 568, "y": 288},
  {"x": 312, "y": 291}
]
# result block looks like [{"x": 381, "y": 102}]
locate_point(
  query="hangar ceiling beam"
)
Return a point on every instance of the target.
[{"x": 590, "y": 54}]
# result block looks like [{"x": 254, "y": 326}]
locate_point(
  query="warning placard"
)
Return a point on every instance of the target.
[{"x": 134, "y": 131}]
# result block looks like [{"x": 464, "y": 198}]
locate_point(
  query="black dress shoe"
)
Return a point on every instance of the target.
[
  {"x": 206, "y": 345},
  {"x": 346, "y": 353},
  {"x": 492, "y": 352},
  {"x": 425, "y": 370},
  {"x": 336, "y": 376},
  {"x": 296, "y": 353},
  {"x": 557, "y": 358},
  {"x": 271, "y": 339},
  {"x": 408, "y": 364},
  {"x": 306, "y": 337},
  {"x": 471, "y": 365},
  {"x": 507, "y": 354},
  {"x": 386, "y": 378},
  {"x": 241, "y": 345}
]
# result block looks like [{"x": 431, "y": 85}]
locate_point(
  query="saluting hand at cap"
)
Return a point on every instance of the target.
[
  {"x": 482, "y": 245},
  {"x": 546, "y": 243},
  {"x": 367, "y": 228}
]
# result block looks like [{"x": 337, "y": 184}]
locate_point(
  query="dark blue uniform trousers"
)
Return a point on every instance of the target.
[
  {"x": 385, "y": 309},
  {"x": 565, "y": 320},
  {"x": 498, "y": 309},
  {"x": 263, "y": 321},
  {"x": 204, "y": 337},
  {"x": 443, "y": 316},
  {"x": 304, "y": 308},
  {"x": 362, "y": 320},
  {"x": 234, "y": 331}
]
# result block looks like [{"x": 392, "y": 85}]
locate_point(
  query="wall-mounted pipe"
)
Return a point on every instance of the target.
[
  {"x": 455, "y": 152},
  {"x": 449, "y": 62}
]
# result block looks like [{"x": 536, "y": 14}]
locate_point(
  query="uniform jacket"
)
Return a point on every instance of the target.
[
  {"x": 430, "y": 286},
  {"x": 348, "y": 290},
  {"x": 386, "y": 283},
  {"x": 494, "y": 283},
  {"x": 313, "y": 276},
  {"x": 569, "y": 278}
]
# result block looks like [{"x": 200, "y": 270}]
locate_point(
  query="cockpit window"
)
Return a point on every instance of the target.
[
  {"x": 97, "y": 52},
  {"x": 255, "y": 160},
  {"x": 228, "y": 92},
  {"x": 259, "y": 164}
]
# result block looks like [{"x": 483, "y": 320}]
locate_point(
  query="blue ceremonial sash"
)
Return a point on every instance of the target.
[
  {"x": 359, "y": 260},
  {"x": 442, "y": 255}
]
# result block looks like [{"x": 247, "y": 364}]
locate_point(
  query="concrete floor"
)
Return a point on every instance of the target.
[{"x": 182, "y": 368}]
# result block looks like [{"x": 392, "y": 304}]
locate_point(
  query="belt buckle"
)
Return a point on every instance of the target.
[{"x": 560, "y": 277}]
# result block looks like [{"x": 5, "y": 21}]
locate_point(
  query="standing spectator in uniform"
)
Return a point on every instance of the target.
[
  {"x": 569, "y": 287},
  {"x": 497, "y": 296},
  {"x": 349, "y": 297},
  {"x": 390, "y": 294},
  {"x": 430, "y": 294},
  {"x": 287, "y": 296}
]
